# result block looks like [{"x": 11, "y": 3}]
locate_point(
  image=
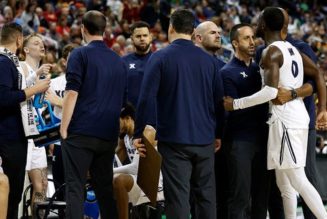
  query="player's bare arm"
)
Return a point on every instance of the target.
[
  {"x": 311, "y": 70},
  {"x": 271, "y": 61}
]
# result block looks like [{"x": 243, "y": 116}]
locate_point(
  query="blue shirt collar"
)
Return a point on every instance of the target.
[
  {"x": 97, "y": 43},
  {"x": 237, "y": 61},
  {"x": 182, "y": 42}
]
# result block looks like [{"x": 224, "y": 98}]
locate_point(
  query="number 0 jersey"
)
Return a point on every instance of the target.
[{"x": 293, "y": 113}]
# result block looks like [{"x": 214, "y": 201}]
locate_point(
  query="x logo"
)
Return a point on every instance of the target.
[{"x": 132, "y": 66}]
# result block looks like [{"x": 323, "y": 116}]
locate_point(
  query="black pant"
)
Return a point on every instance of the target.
[
  {"x": 188, "y": 168},
  {"x": 13, "y": 156},
  {"x": 83, "y": 153},
  {"x": 311, "y": 170},
  {"x": 221, "y": 173},
  {"x": 58, "y": 170},
  {"x": 248, "y": 179}
]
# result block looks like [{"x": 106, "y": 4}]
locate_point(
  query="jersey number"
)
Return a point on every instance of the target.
[{"x": 295, "y": 69}]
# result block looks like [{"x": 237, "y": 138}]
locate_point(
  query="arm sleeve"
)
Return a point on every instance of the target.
[
  {"x": 74, "y": 73},
  {"x": 264, "y": 95},
  {"x": 10, "y": 95},
  {"x": 131, "y": 168},
  {"x": 149, "y": 90}
]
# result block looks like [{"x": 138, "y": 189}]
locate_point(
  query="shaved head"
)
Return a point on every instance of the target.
[
  {"x": 201, "y": 28},
  {"x": 207, "y": 36}
]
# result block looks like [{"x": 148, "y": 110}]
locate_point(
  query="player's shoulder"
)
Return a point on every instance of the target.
[
  {"x": 273, "y": 49},
  {"x": 59, "y": 78}
]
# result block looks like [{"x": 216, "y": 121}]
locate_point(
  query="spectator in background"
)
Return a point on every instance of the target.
[
  {"x": 149, "y": 12},
  {"x": 43, "y": 23},
  {"x": 131, "y": 10},
  {"x": 30, "y": 20},
  {"x": 116, "y": 7},
  {"x": 6, "y": 16},
  {"x": 125, "y": 29},
  {"x": 62, "y": 27},
  {"x": 49, "y": 13}
]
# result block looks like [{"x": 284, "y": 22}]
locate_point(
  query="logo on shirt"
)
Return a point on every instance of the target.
[
  {"x": 290, "y": 50},
  {"x": 243, "y": 74},
  {"x": 131, "y": 65}
]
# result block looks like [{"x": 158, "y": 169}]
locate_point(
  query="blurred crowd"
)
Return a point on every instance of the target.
[{"x": 59, "y": 21}]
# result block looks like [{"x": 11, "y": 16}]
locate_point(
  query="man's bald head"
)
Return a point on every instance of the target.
[
  {"x": 201, "y": 28},
  {"x": 207, "y": 36}
]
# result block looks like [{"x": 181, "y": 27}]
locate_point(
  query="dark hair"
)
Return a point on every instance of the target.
[
  {"x": 67, "y": 49},
  {"x": 128, "y": 110},
  {"x": 9, "y": 33},
  {"x": 273, "y": 18},
  {"x": 233, "y": 34},
  {"x": 183, "y": 21},
  {"x": 139, "y": 24},
  {"x": 95, "y": 22}
]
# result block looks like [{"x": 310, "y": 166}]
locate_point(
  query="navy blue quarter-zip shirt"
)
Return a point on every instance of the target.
[
  {"x": 185, "y": 81},
  {"x": 11, "y": 126},
  {"x": 135, "y": 65},
  {"x": 99, "y": 76},
  {"x": 135, "y": 70},
  {"x": 240, "y": 81},
  {"x": 304, "y": 48}
]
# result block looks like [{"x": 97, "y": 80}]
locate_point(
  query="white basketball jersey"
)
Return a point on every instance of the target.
[
  {"x": 130, "y": 149},
  {"x": 293, "y": 113},
  {"x": 58, "y": 86}
]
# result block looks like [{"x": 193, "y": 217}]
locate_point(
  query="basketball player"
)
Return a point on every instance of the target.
[
  {"x": 36, "y": 164},
  {"x": 283, "y": 66}
]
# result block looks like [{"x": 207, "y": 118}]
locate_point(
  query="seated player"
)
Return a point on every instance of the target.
[{"x": 125, "y": 186}]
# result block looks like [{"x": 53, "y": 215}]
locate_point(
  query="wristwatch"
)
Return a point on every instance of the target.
[{"x": 293, "y": 94}]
